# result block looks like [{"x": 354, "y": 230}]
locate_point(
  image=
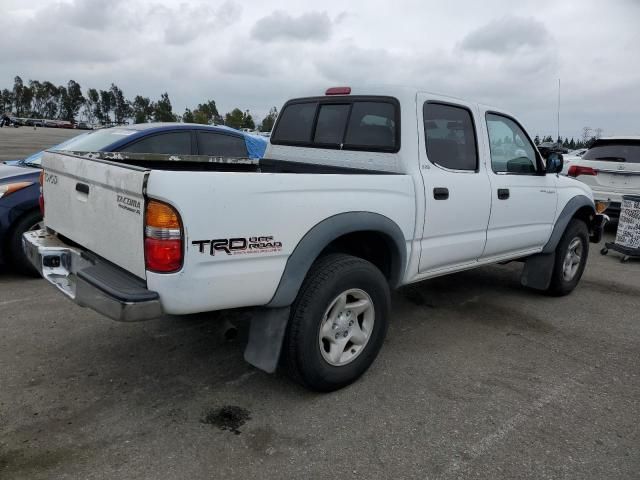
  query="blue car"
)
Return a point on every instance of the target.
[{"x": 20, "y": 190}]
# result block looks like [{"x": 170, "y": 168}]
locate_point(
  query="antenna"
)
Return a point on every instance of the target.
[{"x": 558, "y": 109}]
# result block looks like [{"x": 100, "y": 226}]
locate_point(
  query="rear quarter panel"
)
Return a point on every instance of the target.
[{"x": 224, "y": 206}]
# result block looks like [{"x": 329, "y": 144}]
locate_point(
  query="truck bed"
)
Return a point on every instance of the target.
[{"x": 98, "y": 202}]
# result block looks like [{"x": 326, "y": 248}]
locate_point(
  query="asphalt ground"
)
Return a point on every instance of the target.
[
  {"x": 478, "y": 378},
  {"x": 18, "y": 143}
]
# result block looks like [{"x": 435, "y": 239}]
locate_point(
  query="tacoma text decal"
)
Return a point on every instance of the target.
[{"x": 129, "y": 204}]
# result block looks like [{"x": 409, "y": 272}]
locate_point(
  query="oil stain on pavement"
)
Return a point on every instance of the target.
[{"x": 228, "y": 417}]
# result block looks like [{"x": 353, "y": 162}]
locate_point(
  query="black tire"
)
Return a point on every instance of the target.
[
  {"x": 560, "y": 285},
  {"x": 328, "y": 278},
  {"x": 17, "y": 258}
]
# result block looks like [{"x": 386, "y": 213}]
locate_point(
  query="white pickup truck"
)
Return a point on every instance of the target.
[{"x": 359, "y": 192}]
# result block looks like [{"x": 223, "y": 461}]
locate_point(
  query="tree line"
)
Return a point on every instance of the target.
[
  {"x": 45, "y": 100},
  {"x": 589, "y": 136}
]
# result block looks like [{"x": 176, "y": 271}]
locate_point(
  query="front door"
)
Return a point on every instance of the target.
[
  {"x": 523, "y": 198},
  {"x": 457, "y": 190}
]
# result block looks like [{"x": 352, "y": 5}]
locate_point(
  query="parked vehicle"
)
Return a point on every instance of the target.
[
  {"x": 578, "y": 152},
  {"x": 34, "y": 122},
  {"x": 553, "y": 146},
  {"x": 20, "y": 213},
  {"x": 611, "y": 167},
  {"x": 357, "y": 193}
]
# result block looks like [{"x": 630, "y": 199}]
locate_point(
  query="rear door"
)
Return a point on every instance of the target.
[
  {"x": 457, "y": 190},
  {"x": 99, "y": 205},
  {"x": 617, "y": 166}
]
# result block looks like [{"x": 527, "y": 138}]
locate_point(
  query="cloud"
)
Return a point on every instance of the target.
[
  {"x": 188, "y": 22},
  {"x": 507, "y": 35},
  {"x": 85, "y": 14},
  {"x": 313, "y": 27},
  {"x": 258, "y": 56}
]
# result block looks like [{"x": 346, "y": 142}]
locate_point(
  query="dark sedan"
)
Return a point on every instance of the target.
[{"x": 20, "y": 190}]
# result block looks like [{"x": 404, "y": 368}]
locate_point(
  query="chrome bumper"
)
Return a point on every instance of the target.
[{"x": 90, "y": 281}]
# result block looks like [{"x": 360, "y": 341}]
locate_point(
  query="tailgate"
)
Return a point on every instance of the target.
[{"x": 99, "y": 205}]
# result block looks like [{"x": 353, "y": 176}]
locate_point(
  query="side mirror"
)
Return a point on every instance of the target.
[{"x": 555, "y": 162}]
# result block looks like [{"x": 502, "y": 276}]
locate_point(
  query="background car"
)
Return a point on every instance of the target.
[
  {"x": 20, "y": 190},
  {"x": 571, "y": 157},
  {"x": 611, "y": 167},
  {"x": 554, "y": 147}
]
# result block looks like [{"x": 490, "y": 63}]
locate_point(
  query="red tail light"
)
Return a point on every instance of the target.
[
  {"x": 338, "y": 91},
  {"x": 41, "y": 197},
  {"x": 163, "y": 238},
  {"x": 576, "y": 170}
]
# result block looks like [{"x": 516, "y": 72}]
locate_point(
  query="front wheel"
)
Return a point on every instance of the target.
[
  {"x": 571, "y": 258},
  {"x": 338, "y": 323}
]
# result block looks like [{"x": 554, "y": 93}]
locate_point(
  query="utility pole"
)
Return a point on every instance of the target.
[{"x": 558, "y": 109}]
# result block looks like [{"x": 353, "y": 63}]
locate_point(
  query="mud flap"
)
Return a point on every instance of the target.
[
  {"x": 538, "y": 270},
  {"x": 266, "y": 334}
]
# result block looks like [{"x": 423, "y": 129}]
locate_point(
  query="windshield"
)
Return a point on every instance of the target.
[
  {"x": 614, "y": 152},
  {"x": 88, "y": 142}
]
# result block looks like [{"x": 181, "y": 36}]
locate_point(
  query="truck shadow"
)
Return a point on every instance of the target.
[{"x": 183, "y": 356}]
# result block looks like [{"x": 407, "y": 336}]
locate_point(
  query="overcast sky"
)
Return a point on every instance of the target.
[{"x": 256, "y": 54}]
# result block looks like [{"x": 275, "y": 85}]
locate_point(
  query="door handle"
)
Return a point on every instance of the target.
[
  {"x": 82, "y": 188},
  {"x": 503, "y": 193},
  {"x": 440, "y": 193}
]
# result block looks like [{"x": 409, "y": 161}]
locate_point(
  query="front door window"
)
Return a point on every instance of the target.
[{"x": 511, "y": 150}]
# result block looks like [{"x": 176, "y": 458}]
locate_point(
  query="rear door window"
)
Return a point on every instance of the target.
[
  {"x": 450, "y": 136},
  {"x": 170, "y": 143},
  {"x": 221, "y": 145},
  {"x": 357, "y": 123}
]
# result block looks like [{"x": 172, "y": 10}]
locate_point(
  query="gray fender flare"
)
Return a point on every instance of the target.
[
  {"x": 569, "y": 210},
  {"x": 322, "y": 234},
  {"x": 539, "y": 268}
]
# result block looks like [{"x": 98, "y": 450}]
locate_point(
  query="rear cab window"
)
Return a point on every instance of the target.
[{"x": 346, "y": 123}]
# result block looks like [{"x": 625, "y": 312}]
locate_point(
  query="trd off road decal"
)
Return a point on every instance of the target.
[{"x": 238, "y": 246}]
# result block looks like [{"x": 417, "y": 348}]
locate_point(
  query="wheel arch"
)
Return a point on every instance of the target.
[
  {"x": 15, "y": 218},
  {"x": 538, "y": 269},
  {"x": 368, "y": 235},
  {"x": 580, "y": 207}
]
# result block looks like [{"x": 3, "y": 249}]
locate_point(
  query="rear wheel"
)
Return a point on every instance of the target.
[
  {"x": 338, "y": 323},
  {"x": 571, "y": 258},
  {"x": 17, "y": 257}
]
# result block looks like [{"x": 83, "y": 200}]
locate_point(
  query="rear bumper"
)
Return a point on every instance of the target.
[{"x": 90, "y": 281}]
